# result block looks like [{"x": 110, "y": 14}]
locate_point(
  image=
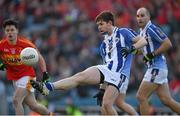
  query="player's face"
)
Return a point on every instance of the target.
[
  {"x": 102, "y": 27},
  {"x": 11, "y": 32},
  {"x": 142, "y": 18}
]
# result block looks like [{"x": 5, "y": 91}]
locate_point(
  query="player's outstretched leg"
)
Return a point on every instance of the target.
[
  {"x": 90, "y": 76},
  {"x": 43, "y": 88}
]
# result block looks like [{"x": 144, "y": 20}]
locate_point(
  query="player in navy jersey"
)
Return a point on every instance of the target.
[
  {"x": 115, "y": 71},
  {"x": 155, "y": 78}
]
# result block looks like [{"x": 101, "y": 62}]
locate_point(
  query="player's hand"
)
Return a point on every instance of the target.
[
  {"x": 2, "y": 66},
  {"x": 99, "y": 96},
  {"x": 46, "y": 76},
  {"x": 148, "y": 57},
  {"x": 127, "y": 50}
]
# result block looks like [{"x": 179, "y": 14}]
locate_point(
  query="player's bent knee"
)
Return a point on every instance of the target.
[
  {"x": 121, "y": 105},
  {"x": 33, "y": 107},
  {"x": 106, "y": 104},
  {"x": 140, "y": 97},
  {"x": 120, "y": 102},
  {"x": 15, "y": 102}
]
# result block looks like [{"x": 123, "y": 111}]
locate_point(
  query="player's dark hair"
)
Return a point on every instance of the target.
[
  {"x": 105, "y": 16},
  {"x": 10, "y": 22}
]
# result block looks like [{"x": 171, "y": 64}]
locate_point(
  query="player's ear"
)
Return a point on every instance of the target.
[
  {"x": 110, "y": 22},
  {"x": 16, "y": 31}
]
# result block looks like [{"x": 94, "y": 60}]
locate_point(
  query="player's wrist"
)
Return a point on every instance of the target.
[
  {"x": 151, "y": 55},
  {"x": 133, "y": 49},
  {"x": 45, "y": 73},
  {"x": 45, "y": 76},
  {"x": 2, "y": 66},
  {"x": 154, "y": 53}
]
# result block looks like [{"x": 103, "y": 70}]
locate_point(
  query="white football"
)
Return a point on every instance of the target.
[{"x": 29, "y": 56}]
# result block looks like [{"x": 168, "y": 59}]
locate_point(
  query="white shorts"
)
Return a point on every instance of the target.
[
  {"x": 24, "y": 82},
  {"x": 120, "y": 81},
  {"x": 156, "y": 75}
]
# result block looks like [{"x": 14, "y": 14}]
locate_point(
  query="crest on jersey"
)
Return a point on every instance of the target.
[{"x": 13, "y": 50}]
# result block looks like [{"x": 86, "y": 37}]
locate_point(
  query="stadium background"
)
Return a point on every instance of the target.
[{"x": 66, "y": 35}]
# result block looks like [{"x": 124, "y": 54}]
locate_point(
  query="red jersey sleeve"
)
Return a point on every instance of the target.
[{"x": 25, "y": 42}]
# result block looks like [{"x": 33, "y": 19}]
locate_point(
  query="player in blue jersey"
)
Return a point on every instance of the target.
[
  {"x": 155, "y": 78},
  {"x": 115, "y": 71}
]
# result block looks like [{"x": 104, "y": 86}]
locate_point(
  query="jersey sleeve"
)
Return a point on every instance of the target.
[
  {"x": 27, "y": 43},
  {"x": 129, "y": 35},
  {"x": 31, "y": 44},
  {"x": 157, "y": 34}
]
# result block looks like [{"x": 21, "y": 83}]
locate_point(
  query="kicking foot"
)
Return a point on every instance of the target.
[{"x": 41, "y": 87}]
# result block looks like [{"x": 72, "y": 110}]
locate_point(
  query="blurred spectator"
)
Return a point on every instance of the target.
[
  {"x": 175, "y": 83},
  {"x": 3, "y": 102},
  {"x": 71, "y": 109}
]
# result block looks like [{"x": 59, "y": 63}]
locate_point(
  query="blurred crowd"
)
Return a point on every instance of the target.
[{"x": 65, "y": 33}]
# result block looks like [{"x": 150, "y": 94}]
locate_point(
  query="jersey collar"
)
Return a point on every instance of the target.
[
  {"x": 113, "y": 30},
  {"x": 147, "y": 25}
]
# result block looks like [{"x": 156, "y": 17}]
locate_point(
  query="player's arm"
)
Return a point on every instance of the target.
[
  {"x": 42, "y": 65},
  {"x": 165, "y": 45},
  {"x": 41, "y": 62},
  {"x": 138, "y": 42},
  {"x": 158, "y": 35}
]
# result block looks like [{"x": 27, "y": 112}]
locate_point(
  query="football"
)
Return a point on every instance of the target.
[{"x": 29, "y": 56}]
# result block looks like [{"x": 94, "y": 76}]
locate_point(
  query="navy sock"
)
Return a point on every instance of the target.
[{"x": 49, "y": 86}]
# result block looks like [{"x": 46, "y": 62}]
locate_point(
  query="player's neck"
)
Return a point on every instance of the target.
[
  {"x": 142, "y": 27},
  {"x": 12, "y": 42},
  {"x": 145, "y": 25},
  {"x": 111, "y": 30}
]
